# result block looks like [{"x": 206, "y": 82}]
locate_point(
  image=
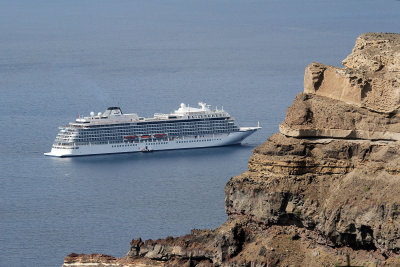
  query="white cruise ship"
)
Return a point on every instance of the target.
[{"x": 115, "y": 132}]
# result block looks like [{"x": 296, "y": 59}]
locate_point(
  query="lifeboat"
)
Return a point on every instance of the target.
[
  {"x": 145, "y": 136},
  {"x": 131, "y": 137},
  {"x": 159, "y": 135}
]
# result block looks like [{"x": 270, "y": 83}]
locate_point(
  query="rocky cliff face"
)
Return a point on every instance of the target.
[{"x": 323, "y": 188}]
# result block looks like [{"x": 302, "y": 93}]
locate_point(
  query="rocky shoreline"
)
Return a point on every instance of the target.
[{"x": 321, "y": 192}]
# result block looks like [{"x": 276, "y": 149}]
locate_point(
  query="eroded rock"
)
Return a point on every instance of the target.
[{"x": 370, "y": 79}]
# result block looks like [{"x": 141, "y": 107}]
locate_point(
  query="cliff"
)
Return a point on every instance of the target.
[{"x": 322, "y": 189}]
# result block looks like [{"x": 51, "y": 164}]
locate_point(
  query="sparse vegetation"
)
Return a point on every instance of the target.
[{"x": 298, "y": 212}]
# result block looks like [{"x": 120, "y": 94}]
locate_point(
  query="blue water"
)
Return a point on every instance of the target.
[{"x": 59, "y": 59}]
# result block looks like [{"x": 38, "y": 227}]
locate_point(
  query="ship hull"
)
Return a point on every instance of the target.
[{"x": 156, "y": 145}]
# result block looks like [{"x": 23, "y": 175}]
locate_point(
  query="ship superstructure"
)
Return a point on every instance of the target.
[{"x": 115, "y": 132}]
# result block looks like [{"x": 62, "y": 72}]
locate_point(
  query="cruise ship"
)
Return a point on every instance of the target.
[{"x": 115, "y": 132}]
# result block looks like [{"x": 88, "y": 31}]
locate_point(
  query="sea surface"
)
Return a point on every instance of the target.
[{"x": 60, "y": 59}]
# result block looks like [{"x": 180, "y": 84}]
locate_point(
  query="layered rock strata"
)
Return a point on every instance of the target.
[{"x": 324, "y": 191}]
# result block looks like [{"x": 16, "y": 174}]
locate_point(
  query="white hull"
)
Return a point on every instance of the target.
[{"x": 162, "y": 144}]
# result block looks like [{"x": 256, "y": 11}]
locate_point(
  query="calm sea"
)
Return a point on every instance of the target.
[{"x": 59, "y": 59}]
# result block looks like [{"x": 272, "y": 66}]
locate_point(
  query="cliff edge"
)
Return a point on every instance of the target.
[{"x": 324, "y": 191}]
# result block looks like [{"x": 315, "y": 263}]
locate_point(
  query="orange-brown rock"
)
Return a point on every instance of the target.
[
  {"x": 317, "y": 116},
  {"x": 370, "y": 79},
  {"x": 359, "y": 101}
]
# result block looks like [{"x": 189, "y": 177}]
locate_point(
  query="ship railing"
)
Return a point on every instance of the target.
[{"x": 161, "y": 115}]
